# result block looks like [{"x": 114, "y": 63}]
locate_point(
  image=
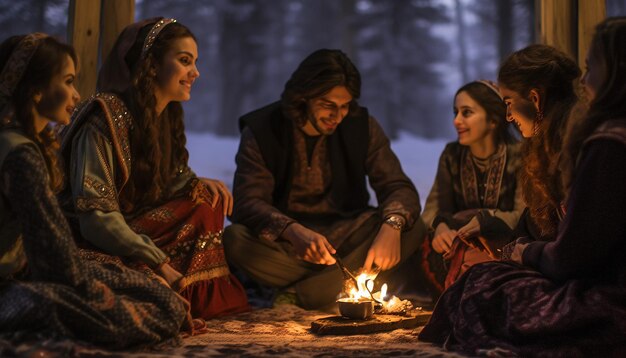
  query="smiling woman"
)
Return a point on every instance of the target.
[
  {"x": 564, "y": 297},
  {"x": 475, "y": 201},
  {"x": 538, "y": 86},
  {"x": 131, "y": 188},
  {"x": 57, "y": 101},
  {"x": 47, "y": 290}
]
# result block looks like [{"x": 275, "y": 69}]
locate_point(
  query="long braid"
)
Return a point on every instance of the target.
[{"x": 153, "y": 168}]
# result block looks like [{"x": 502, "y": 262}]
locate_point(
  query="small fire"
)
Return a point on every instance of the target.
[
  {"x": 364, "y": 291},
  {"x": 365, "y": 285}
]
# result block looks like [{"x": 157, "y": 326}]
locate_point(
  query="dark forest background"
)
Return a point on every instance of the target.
[{"x": 412, "y": 54}]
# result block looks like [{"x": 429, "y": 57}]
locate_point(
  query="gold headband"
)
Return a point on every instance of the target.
[
  {"x": 152, "y": 35},
  {"x": 18, "y": 61},
  {"x": 492, "y": 86}
]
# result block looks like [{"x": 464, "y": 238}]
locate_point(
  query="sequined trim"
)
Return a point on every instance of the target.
[
  {"x": 152, "y": 35},
  {"x": 162, "y": 215},
  {"x": 105, "y": 191},
  {"x": 84, "y": 204},
  {"x": 209, "y": 240},
  {"x": 106, "y": 201},
  {"x": 185, "y": 231},
  {"x": 208, "y": 274},
  {"x": 118, "y": 124}
]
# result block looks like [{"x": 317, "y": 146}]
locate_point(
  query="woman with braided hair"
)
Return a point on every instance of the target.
[
  {"x": 47, "y": 290},
  {"x": 131, "y": 193},
  {"x": 565, "y": 296}
]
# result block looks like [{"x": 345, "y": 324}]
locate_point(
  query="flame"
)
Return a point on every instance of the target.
[
  {"x": 365, "y": 285},
  {"x": 364, "y": 282}
]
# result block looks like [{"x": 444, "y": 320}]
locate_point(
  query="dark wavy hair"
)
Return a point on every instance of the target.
[
  {"x": 47, "y": 61},
  {"x": 316, "y": 75},
  {"x": 493, "y": 106},
  {"x": 552, "y": 73},
  {"x": 608, "y": 48},
  {"x": 157, "y": 142}
]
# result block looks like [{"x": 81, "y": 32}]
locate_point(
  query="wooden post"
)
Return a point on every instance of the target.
[
  {"x": 556, "y": 24},
  {"x": 590, "y": 13},
  {"x": 116, "y": 15},
  {"x": 84, "y": 34},
  {"x": 85, "y": 25}
]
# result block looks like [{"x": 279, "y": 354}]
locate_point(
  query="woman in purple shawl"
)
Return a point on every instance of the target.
[{"x": 565, "y": 297}]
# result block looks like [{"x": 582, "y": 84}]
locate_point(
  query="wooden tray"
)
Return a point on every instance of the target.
[{"x": 338, "y": 325}]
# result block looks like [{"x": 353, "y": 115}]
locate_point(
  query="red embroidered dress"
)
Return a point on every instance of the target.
[{"x": 184, "y": 230}]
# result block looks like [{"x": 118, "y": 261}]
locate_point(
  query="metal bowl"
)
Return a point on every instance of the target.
[{"x": 355, "y": 309}]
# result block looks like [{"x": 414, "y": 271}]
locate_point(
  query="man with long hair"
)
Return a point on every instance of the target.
[{"x": 300, "y": 194}]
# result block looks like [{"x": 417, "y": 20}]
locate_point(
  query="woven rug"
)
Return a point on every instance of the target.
[{"x": 283, "y": 331}]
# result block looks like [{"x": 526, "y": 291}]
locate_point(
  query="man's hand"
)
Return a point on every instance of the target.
[
  {"x": 218, "y": 190},
  {"x": 385, "y": 250},
  {"x": 171, "y": 276},
  {"x": 309, "y": 245},
  {"x": 444, "y": 237}
]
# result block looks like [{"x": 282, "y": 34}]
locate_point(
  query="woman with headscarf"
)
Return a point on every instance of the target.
[
  {"x": 565, "y": 297},
  {"x": 131, "y": 193},
  {"x": 476, "y": 189},
  {"x": 46, "y": 289}
]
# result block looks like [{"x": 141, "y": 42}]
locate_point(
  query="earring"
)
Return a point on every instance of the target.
[{"x": 537, "y": 122}]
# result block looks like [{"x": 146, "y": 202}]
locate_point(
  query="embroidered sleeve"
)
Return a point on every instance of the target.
[
  {"x": 93, "y": 178},
  {"x": 395, "y": 192},
  {"x": 92, "y": 172},
  {"x": 252, "y": 191}
]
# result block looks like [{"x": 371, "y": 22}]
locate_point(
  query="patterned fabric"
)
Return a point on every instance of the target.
[
  {"x": 115, "y": 123},
  {"x": 152, "y": 35},
  {"x": 461, "y": 192},
  {"x": 184, "y": 230},
  {"x": 66, "y": 296},
  {"x": 570, "y": 298},
  {"x": 17, "y": 63},
  {"x": 491, "y": 184},
  {"x": 505, "y": 306},
  {"x": 284, "y": 331},
  {"x": 190, "y": 233}
]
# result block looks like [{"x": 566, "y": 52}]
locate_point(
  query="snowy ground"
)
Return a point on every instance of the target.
[{"x": 214, "y": 157}]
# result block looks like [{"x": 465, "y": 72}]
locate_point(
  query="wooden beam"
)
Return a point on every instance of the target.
[
  {"x": 556, "y": 24},
  {"x": 84, "y": 34},
  {"x": 116, "y": 15},
  {"x": 590, "y": 13}
]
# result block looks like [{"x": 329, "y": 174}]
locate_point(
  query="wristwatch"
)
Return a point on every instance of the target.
[{"x": 395, "y": 221}]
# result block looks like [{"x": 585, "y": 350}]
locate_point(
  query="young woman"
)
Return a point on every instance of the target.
[
  {"x": 564, "y": 297},
  {"x": 131, "y": 192},
  {"x": 476, "y": 188},
  {"x": 46, "y": 289}
]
